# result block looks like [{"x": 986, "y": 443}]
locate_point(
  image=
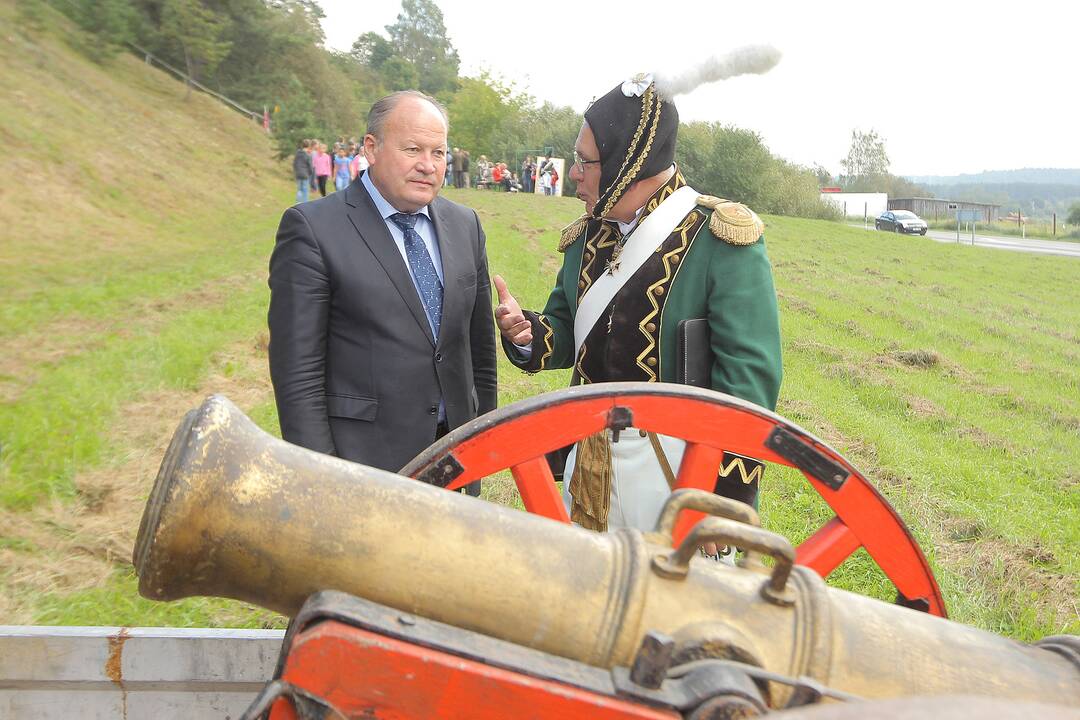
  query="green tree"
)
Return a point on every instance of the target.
[
  {"x": 794, "y": 190},
  {"x": 866, "y": 156},
  {"x": 364, "y": 83},
  {"x": 268, "y": 44},
  {"x": 824, "y": 177},
  {"x": 372, "y": 49},
  {"x": 480, "y": 111},
  {"x": 107, "y": 24},
  {"x": 726, "y": 161},
  {"x": 1074, "y": 214},
  {"x": 419, "y": 37},
  {"x": 397, "y": 73},
  {"x": 295, "y": 121},
  {"x": 734, "y": 163},
  {"x": 198, "y": 31}
]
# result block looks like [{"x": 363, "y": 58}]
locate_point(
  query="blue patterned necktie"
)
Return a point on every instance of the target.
[{"x": 423, "y": 270}]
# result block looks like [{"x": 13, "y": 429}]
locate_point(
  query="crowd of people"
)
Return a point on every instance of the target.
[
  {"x": 489, "y": 175},
  {"x": 315, "y": 163}
]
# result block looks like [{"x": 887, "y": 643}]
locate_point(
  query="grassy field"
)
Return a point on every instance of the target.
[{"x": 133, "y": 269}]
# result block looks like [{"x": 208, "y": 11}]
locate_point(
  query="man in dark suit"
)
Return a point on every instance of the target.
[{"x": 381, "y": 332}]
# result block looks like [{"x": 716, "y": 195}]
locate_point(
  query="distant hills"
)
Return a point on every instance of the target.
[
  {"x": 1039, "y": 192},
  {"x": 1042, "y": 176}
]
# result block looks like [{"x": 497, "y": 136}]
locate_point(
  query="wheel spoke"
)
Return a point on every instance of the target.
[
  {"x": 698, "y": 469},
  {"x": 831, "y": 545},
  {"x": 538, "y": 490}
]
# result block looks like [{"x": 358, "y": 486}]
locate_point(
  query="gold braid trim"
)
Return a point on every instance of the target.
[
  {"x": 650, "y": 294},
  {"x": 732, "y": 222},
  {"x": 650, "y": 95},
  {"x": 588, "y": 257},
  {"x": 549, "y": 340},
  {"x": 634, "y": 141},
  {"x": 580, "y": 362},
  {"x": 590, "y": 485},
  {"x": 664, "y": 193},
  {"x": 571, "y": 232}
]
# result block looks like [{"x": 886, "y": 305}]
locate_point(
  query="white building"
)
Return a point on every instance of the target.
[{"x": 858, "y": 205}]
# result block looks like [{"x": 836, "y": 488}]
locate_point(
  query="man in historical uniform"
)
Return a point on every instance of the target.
[{"x": 649, "y": 252}]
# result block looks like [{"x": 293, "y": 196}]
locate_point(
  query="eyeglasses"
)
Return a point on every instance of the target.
[{"x": 580, "y": 162}]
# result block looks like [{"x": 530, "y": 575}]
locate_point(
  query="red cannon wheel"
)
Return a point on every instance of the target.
[{"x": 517, "y": 437}]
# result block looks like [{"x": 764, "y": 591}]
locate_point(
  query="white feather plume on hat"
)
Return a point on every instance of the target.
[{"x": 747, "y": 60}]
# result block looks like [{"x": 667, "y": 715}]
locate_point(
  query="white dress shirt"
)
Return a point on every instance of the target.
[{"x": 425, "y": 228}]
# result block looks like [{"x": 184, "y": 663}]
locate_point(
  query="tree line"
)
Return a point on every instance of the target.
[
  {"x": 866, "y": 169},
  {"x": 271, "y": 53}
]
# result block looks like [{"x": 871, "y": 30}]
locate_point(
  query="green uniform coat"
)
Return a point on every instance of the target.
[{"x": 693, "y": 274}]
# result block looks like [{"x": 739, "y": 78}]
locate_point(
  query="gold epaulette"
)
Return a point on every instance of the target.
[
  {"x": 732, "y": 222},
  {"x": 572, "y": 232}
]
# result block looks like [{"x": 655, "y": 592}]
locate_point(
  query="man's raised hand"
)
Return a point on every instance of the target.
[{"x": 508, "y": 316}]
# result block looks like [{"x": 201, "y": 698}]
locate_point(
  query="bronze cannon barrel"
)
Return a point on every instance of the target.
[{"x": 237, "y": 513}]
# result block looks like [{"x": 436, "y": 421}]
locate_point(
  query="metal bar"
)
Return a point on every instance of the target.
[
  {"x": 110, "y": 672},
  {"x": 807, "y": 458},
  {"x": 150, "y": 56},
  {"x": 760, "y": 674}
]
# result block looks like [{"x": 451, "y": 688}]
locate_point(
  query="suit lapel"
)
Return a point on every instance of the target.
[
  {"x": 372, "y": 228},
  {"x": 452, "y": 246}
]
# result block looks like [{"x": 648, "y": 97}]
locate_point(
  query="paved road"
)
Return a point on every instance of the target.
[{"x": 1041, "y": 247}]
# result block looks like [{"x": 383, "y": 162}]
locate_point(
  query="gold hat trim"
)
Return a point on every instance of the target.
[{"x": 631, "y": 175}]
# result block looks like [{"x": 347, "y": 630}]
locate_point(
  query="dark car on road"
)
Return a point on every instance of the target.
[{"x": 900, "y": 221}]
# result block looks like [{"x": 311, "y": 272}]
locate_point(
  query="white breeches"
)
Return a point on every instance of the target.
[{"x": 638, "y": 485}]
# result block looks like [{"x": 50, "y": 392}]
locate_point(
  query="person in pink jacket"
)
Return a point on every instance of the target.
[{"x": 321, "y": 161}]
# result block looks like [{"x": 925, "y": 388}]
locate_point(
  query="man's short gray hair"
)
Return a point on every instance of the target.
[{"x": 383, "y": 107}]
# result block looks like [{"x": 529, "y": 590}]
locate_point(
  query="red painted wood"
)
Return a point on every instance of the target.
[
  {"x": 879, "y": 529},
  {"x": 538, "y": 490},
  {"x": 366, "y": 675},
  {"x": 831, "y": 545},
  {"x": 710, "y": 425},
  {"x": 698, "y": 469}
]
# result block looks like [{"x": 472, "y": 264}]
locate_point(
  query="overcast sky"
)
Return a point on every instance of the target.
[{"x": 953, "y": 87}]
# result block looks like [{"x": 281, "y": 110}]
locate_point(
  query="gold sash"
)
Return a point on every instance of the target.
[{"x": 590, "y": 485}]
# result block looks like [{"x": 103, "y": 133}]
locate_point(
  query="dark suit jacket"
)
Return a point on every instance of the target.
[{"x": 355, "y": 368}]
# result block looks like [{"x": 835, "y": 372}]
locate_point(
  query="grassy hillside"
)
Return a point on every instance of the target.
[
  {"x": 136, "y": 225},
  {"x": 133, "y": 266}
]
